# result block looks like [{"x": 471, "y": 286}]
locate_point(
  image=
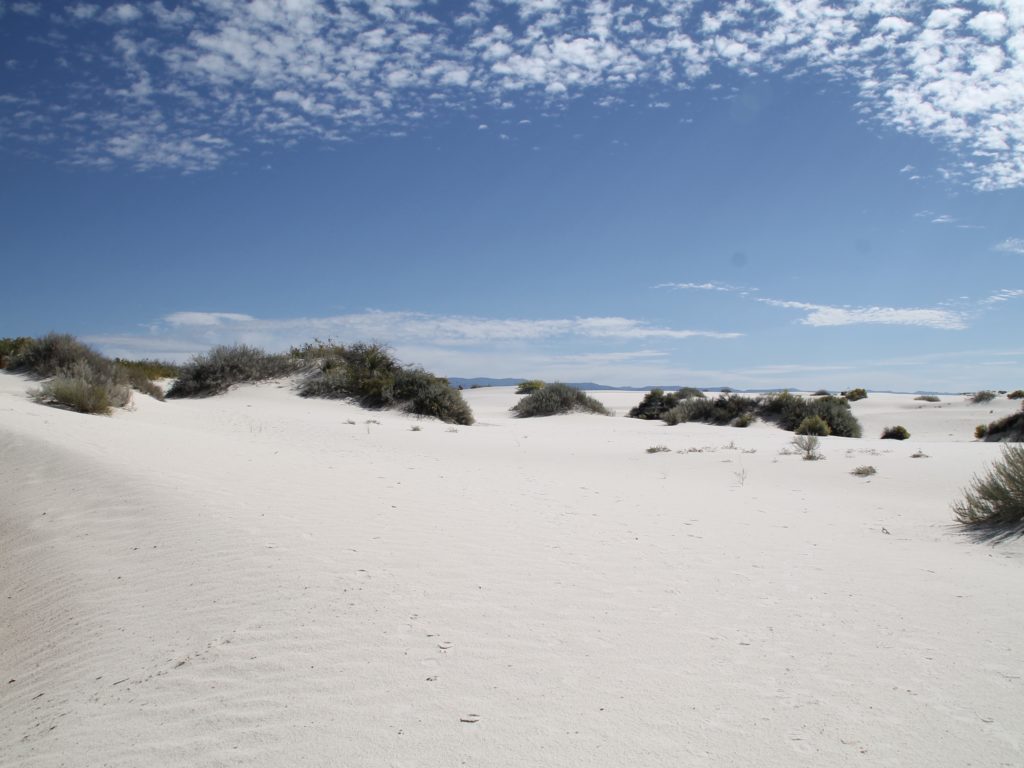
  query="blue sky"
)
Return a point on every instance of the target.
[{"x": 783, "y": 193}]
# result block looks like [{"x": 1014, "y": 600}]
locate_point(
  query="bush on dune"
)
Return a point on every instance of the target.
[
  {"x": 80, "y": 378},
  {"x": 1009, "y": 429},
  {"x": 858, "y": 393},
  {"x": 370, "y": 375},
  {"x": 657, "y": 402},
  {"x": 11, "y": 348},
  {"x": 216, "y": 371},
  {"x": 526, "y": 387},
  {"x": 556, "y": 399},
  {"x": 725, "y": 409},
  {"x": 984, "y": 396},
  {"x": 825, "y": 414},
  {"x": 997, "y": 498},
  {"x": 1017, "y": 394},
  {"x": 898, "y": 432}
]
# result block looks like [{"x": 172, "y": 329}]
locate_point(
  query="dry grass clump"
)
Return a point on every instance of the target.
[
  {"x": 659, "y": 449},
  {"x": 997, "y": 497},
  {"x": 898, "y": 432},
  {"x": 370, "y": 374},
  {"x": 556, "y": 399},
  {"x": 808, "y": 446},
  {"x": 865, "y": 471},
  {"x": 80, "y": 378},
  {"x": 928, "y": 398},
  {"x": 984, "y": 396}
]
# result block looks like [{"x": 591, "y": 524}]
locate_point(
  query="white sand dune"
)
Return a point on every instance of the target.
[{"x": 250, "y": 580}]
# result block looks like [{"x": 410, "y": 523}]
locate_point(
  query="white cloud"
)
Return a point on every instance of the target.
[
  {"x": 207, "y": 318},
  {"x": 943, "y": 219},
  {"x": 1004, "y": 294},
  {"x": 822, "y": 315},
  {"x": 214, "y": 67},
  {"x": 713, "y": 286},
  {"x": 1010, "y": 245},
  {"x": 27, "y": 9}
]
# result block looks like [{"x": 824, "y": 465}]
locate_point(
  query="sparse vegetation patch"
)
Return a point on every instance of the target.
[
  {"x": 984, "y": 396},
  {"x": 531, "y": 385},
  {"x": 852, "y": 395},
  {"x": 865, "y": 471},
  {"x": 928, "y": 398},
  {"x": 556, "y": 399},
  {"x": 997, "y": 497},
  {"x": 895, "y": 433}
]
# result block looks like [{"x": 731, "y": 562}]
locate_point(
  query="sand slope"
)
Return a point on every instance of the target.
[{"x": 250, "y": 580}]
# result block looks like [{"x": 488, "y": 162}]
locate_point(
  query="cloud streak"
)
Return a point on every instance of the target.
[{"x": 191, "y": 86}]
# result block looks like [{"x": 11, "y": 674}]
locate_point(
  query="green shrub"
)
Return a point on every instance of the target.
[
  {"x": 12, "y": 347},
  {"x": 151, "y": 369},
  {"x": 980, "y": 431},
  {"x": 1008, "y": 429},
  {"x": 55, "y": 353},
  {"x": 653, "y": 406},
  {"x": 789, "y": 411},
  {"x": 984, "y": 396},
  {"x": 852, "y": 395},
  {"x": 1017, "y": 394},
  {"x": 556, "y": 399},
  {"x": 526, "y": 387},
  {"x": 895, "y": 433},
  {"x": 928, "y": 398},
  {"x": 658, "y": 449},
  {"x": 687, "y": 393},
  {"x": 814, "y": 425},
  {"x": 821, "y": 393},
  {"x": 743, "y": 421},
  {"x": 370, "y": 375},
  {"x": 216, "y": 371},
  {"x": 997, "y": 498},
  {"x": 725, "y": 409},
  {"x": 83, "y": 388}
]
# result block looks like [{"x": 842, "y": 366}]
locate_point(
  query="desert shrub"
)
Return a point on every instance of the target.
[
  {"x": 743, "y": 421},
  {"x": 789, "y": 411},
  {"x": 686, "y": 393},
  {"x": 980, "y": 431},
  {"x": 555, "y": 399},
  {"x": 814, "y": 425},
  {"x": 86, "y": 388},
  {"x": 658, "y": 449},
  {"x": 852, "y": 395},
  {"x": 370, "y": 375},
  {"x": 216, "y": 371},
  {"x": 531, "y": 385},
  {"x": 1017, "y": 394},
  {"x": 653, "y": 405},
  {"x": 835, "y": 411},
  {"x": 895, "y": 433},
  {"x": 928, "y": 398},
  {"x": 1008, "y": 429},
  {"x": 984, "y": 396},
  {"x": 55, "y": 353},
  {"x": 821, "y": 393},
  {"x": 808, "y": 445},
  {"x": 425, "y": 394},
  {"x": 865, "y": 471},
  {"x": 722, "y": 410},
  {"x": 11, "y": 347},
  {"x": 996, "y": 498}
]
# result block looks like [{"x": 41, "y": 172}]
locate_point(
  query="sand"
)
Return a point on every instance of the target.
[{"x": 252, "y": 580}]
